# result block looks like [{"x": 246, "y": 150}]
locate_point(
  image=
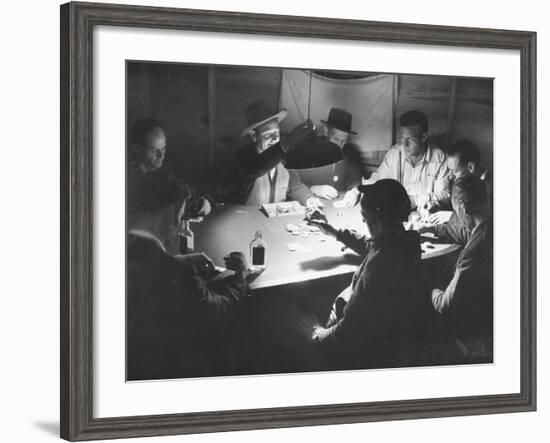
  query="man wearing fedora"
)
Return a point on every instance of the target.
[
  {"x": 261, "y": 174},
  {"x": 327, "y": 181}
]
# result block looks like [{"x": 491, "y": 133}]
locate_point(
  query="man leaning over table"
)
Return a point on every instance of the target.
[
  {"x": 467, "y": 300},
  {"x": 463, "y": 160},
  {"x": 261, "y": 175},
  {"x": 416, "y": 163}
]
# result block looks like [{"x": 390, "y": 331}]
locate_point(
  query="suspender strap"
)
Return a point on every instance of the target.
[{"x": 272, "y": 183}]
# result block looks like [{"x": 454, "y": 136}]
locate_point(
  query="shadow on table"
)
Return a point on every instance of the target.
[{"x": 325, "y": 263}]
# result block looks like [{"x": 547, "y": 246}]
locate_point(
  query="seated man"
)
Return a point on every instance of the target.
[
  {"x": 417, "y": 164},
  {"x": 375, "y": 319},
  {"x": 150, "y": 182},
  {"x": 467, "y": 302},
  {"x": 332, "y": 179},
  {"x": 261, "y": 173},
  {"x": 175, "y": 318},
  {"x": 463, "y": 159}
]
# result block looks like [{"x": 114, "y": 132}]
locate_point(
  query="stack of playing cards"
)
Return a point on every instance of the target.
[{"x": 302, "y": 229}]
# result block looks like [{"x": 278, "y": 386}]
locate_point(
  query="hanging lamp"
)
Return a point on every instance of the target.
[{"x": 316, "y": 152}]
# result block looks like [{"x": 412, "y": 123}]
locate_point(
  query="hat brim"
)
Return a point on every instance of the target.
[
  {"x": 280, "y": 116},
  {"x": 327, "y": 123}
]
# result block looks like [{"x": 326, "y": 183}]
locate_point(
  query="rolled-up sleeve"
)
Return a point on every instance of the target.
[
  {"x": 353, "y": 240},
  {"x": 253, "y": 165}
]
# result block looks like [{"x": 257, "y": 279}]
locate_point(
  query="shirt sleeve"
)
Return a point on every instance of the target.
[
  {"x": 353, "y": 240},
  {"x": 442, "y": 187},
  {"x": 297, "y": 190},
  {"x": 446, "y": 301},
  {"x": 387, "y": 168},
  {"x": 453, "y": 231},
  {"x": 254, "y": 165},
  {"x": 218, "y": 300}
]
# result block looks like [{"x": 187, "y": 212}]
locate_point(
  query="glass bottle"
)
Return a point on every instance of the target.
[
  {"x": 257, "y": 251},
  {"x": 187, "y": 238}
]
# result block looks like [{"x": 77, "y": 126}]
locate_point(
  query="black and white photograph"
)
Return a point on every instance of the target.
[{"x": 300, "y": 220}]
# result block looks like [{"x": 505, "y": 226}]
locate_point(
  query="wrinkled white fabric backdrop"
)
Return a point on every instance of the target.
[{"x": 369, "y": 100}]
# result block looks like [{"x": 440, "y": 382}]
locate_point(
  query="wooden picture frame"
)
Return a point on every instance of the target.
[{"x": 77, "y": 23}]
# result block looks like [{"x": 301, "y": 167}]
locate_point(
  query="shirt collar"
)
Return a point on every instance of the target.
[{"x": 425, "y": 158}]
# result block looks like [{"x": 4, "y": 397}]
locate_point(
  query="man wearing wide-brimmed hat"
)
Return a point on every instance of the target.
[
  {"x": 262, "y": 175},
  {"x": 328, "y": 180}
]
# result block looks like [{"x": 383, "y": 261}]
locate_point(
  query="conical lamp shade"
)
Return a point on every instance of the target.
[{"x": 313, "y": 154}]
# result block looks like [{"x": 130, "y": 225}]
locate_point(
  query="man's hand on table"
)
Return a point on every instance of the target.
[
  {"x": 440, "y": 217},
  {"x": 325, "y": 227},
  {"x": 427, "y": 225},
  {"x": 423, "y": 227},
  {"x": 351, "y": 198},
  {"x": 314, "y": 203},
  {"x": 324, "y": 191}
]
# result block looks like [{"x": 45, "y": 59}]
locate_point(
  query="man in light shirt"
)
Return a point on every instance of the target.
[{"x": 416, "y": 163}]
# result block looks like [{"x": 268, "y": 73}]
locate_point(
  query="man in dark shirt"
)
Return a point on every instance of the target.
[
  {"x": 175, "y": 317},
  {"x": 467, "y": 301},
  {"x": 377, "y": 317},
  {"x": 260, "y": 171}
]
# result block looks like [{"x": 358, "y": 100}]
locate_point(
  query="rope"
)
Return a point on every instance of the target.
[{"x": 309, "y": 96}]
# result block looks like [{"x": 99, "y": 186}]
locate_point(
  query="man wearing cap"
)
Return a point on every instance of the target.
[
  {"x": 374, "y": 320},
  {"x": 417, "y": 164},
  {"x": 327, "y": 181},
  {"x": 261, "y": 173}
]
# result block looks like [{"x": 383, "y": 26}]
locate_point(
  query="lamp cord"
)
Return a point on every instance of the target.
[{"x": 309, "y": 96}]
